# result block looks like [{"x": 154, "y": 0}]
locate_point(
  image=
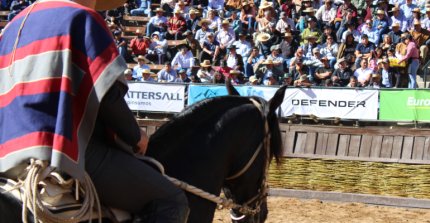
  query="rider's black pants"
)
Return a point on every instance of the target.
[{"x": 126, "y": 183}]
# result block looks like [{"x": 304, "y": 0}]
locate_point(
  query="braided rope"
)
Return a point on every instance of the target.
[{"x": 36, "y": 172}]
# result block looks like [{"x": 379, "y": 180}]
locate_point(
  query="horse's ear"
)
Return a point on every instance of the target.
[
  {"x": 230, "y": 89},
  {"x": 277, "y": 99}
]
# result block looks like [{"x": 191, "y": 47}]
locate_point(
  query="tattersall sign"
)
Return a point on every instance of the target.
[{"x": 405, "y": 105}]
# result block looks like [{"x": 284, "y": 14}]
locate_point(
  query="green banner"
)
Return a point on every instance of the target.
[{"x": 405, "y": 105}]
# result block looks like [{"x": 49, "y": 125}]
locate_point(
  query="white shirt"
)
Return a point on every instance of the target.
[
  {"x": 183, "y": 61},
  {"x": 363, "y": 74},
  {"x": 157, "y": 20},
  {"x": 226, "y": 38},
  {"x": 243, "y": 48},
  {"x": 137, "y": 70}
]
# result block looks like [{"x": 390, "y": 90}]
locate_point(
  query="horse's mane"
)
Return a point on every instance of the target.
[{"x": 205, "y": 111}]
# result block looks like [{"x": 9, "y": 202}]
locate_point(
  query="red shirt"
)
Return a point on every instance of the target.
[
  {"x": 138, "y": 46},
  {"x": 176, "y": 24},
  {"x": 225, "y": 71}
]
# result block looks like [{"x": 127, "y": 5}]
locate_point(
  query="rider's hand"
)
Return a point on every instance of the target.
[{"x": 143, "y": 143}]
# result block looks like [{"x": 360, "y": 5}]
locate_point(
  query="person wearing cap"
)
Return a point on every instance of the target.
[
  {"x": 121, "y": 44},
  {"x": 342, "y": 73},
  {"x": 184, "y": 59},
  {"x": 142, "y": 9},
  {"x": 395, "y": 33},
  {"x": 176, "y": 25},
  {"x": 158, "y": 22},
  {"x": 364, "y": 50},
  {"x": 182, "y": 77},
  {"x": 157, "y": 49},
  {"x": 388, "y": 74},
  {"x": 243, "y": 47},
  {"x": 278, "y": 60},
  {"x": 247, "y": 15},
  {"x": 139, "y": 44},
  {"x": 210, "y": 48},
  {"x": 311, "y": 31},
  {"x": 407, "y": 9},
  {"x": 364, "y": 73},
  {"x": 327, "y": 13},
  {"x": 167, "y": 74},
  {"x": 412, "y": 58},
  {"x": 285, "y": 23},
  {"x": 398, "y": 18},
  {"x": 192, "y": 43},
  {"x": 233, "y": 59},
  {"x": 69, "y": 130},
  {"x": 421, "y": 37},
  {"x": 323, "y": 72}
]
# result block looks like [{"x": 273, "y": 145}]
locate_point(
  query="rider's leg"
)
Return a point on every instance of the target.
[{"x": 122, "y": 181}]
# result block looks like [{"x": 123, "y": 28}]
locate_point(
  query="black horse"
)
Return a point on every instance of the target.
[
  {"x": 207, "y": 144},
  {"x": 213, "y": 140}
]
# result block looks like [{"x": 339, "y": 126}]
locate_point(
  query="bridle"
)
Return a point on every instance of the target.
[{"x": 246, "y": 208}]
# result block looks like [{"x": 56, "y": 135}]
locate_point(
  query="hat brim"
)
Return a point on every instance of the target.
[{"x": 108, "y": 4}]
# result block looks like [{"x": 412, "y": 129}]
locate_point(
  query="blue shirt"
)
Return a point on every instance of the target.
[
  {"x": 137, "y": 70},
  {"x": 365, "y": 49}
]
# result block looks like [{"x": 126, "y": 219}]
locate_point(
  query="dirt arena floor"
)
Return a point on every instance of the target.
[{"x": 291, "y": 210}]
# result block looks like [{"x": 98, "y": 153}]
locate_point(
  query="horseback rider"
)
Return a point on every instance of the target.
[{"x": 62, "y": 100}]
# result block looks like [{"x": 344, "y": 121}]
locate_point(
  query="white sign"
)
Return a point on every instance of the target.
[
  {"x": 155, "y": 97},
  {"x": 326, "y": 103}
]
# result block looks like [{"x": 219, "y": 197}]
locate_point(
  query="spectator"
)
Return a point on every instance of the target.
[
  {"x": 146, "y": 76},
  {"x": 247, "y": 15},
  {"x": 233, "y": 59},
  {"x": 353, "y": 83},
  {"x": 192, "y": 43},
  {"x": 364, "y": 50},
  {"x": 312, "y": 30},
  {"x": 167, "y": 74},
  {"x": 193, "y": 21},
  {"x": 236, "y": 77},
  {"x": 288, "y": 47},
  {"x": 425, "y": 22},
  {"x": 347, "y": 48},
  {"x": 323, "y": 73},
  {"x": 388, "y": 74},
  {"x": 363, "y": 73},
  {"x": 326, "y": 13},
  {"x": 182, "y": 77},
  {"x": 398, "y": 18},
  {"x": 128, "y": 75},
  {"x": 299, "y": 69},
  {"x": 144, "y": 8},
  {"x": 137, "y": 70},
  {"x": 184, "y": 59},
  {"x": 210, "y": 49},
  {"x": 375, "y": 82},
  {"x": 395, "y": 33},
  {"x": 121, "y": 44},
  {"x": 253, "y": 62},
  {"x": 225, "y": 37},
  {"x": 266, "y": 72},
  {"x": 218, "y": 78},
  {"x": 343, "y": 73},
  {"x": 16, "y": 7},
  {"x": 329, "y": 50},
  {"x": 412, "y": 58},
  {"x": 285, "y": 23},
  {"x": 205, "y": 72},
  {"x": 139, "y": 44},
  {"x": 168, "y": 6},
  {"x": 176, "y": 25},
  {"x": 157, "y": 49},
  {"x": 421, "y": 37},
  {"x": 201, "y": 33},
  {"x": 303, "y": 81},
  {"x": 243, "y": 47},
  {"x": 215, "y": 21},
  {"x": 407, "y": 10},
  {"x": 157, "y": 23},
  {"x": 252, "y": 81}
]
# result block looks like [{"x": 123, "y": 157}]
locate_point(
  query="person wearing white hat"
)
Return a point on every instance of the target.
[
  {"x": 380, "y": 23},
  {"x": 157, "y": 49},
  {"x": 395, "y": 33},
  {"x": 398, "y": 17},
  {"x": 225, "y": 37},
  {"x": 158, "y": 22}
]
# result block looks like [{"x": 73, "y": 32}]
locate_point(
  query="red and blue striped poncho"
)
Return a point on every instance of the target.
[{"x": 64, "y": 64}]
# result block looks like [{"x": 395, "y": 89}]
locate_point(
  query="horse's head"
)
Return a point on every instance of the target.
[{"x": 243, "y": 187}]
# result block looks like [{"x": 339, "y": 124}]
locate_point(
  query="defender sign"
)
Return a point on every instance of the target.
[
  {"x": 325, "y": 103},
  {"x": 155, "y": 97}
]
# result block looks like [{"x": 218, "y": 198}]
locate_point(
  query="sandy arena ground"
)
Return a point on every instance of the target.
[{"x": 291, "y": 210}]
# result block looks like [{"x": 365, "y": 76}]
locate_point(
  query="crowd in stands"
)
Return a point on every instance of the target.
[{"x": 345, "y": 43}]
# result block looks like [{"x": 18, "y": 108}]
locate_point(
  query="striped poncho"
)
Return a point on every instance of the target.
[{"x": 50, "y": 93}]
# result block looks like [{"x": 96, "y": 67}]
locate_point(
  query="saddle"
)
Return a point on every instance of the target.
[{"x": 62, "y": 197}]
